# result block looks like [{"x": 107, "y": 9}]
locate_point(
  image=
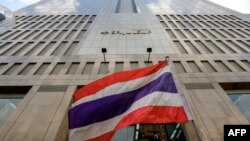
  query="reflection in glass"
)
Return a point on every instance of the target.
[
  {"x": 7, "y": 19},
  {"x": 8, "y": 105},
  {"x": 150, "y": 132},
  {"x": 161, "y": 132},
  {"x": 242, "y": 101},
  {"x": 125, "y": 134}
]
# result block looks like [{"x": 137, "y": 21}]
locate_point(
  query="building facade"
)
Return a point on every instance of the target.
[{"x": 56, "y": 45}]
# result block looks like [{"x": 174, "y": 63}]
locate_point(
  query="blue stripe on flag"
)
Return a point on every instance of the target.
[{"x": 114, "y": 105}]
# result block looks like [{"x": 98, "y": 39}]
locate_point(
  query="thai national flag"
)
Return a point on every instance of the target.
[{"x": 146, "y": 95}]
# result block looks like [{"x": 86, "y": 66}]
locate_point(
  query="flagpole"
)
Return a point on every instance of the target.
[{"x": 180, "y": 91}]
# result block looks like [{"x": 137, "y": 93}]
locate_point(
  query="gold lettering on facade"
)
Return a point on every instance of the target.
[
  {"x": 105, "y": 32},
  {"x": 134, "y": 31}
]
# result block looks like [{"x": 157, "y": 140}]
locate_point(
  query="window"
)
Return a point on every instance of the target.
[
  {"x": 168, "y": 132},
  {"x": 239, "y": 93},
  {"x": 57, "y": 69},
  {"x": 8, "y": 103},
  {"x": 148, "y": 63},
  {"x": 118, "y": 66},
  {"x": 88, "y": 68},
  {"x": 10, "y": 98},
  {"x": 241, "y": 98},
  {"x": 134, "y": 65},
  {"x": 125, "y": 134},
  {"x": 73, "y": 67},
  {"x": 103, "y": 68},
  {"x": 150, "y": 132},
  {"x": 179, "y": 67}
]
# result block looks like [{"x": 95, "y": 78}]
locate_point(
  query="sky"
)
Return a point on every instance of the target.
[
  {"x": 242, "y": 6},
  {"x": 16, "y": 4}
]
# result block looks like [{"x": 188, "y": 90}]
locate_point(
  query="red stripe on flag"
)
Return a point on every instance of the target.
[
  {"x": 150, "y": 114},
  {"x": 123, "y": 76}
]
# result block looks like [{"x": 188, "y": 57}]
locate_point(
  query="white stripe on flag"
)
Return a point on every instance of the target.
[
  {"x": 122, "y": 87},
  {"x": 100, "y": 128}
]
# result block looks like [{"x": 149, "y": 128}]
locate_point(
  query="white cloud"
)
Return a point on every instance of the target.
[
  {"x": 28, "y": 1},
  {"x": 237, "y": 5},
  {"x": 24, "y": 2},
  {"x": 57, "y": 6}
]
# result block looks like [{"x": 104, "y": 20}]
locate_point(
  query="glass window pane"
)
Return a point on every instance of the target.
[
  {"x": 8, "y": 103},
  {"x": 125, "y": 134},
  {"x": 242, "y": 101}
]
